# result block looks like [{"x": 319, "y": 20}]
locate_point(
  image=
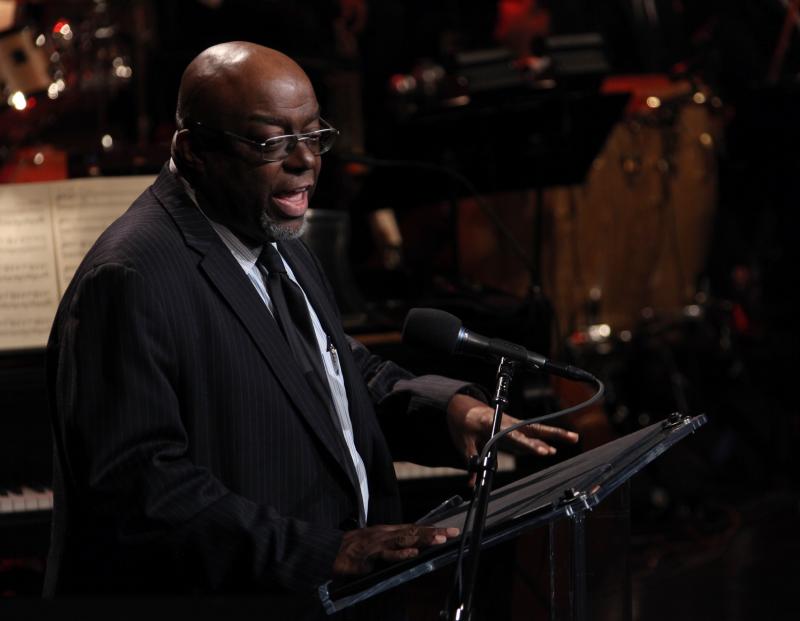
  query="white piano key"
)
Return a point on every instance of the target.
[
  {"x": 26, "y": 500},
  {"x": 37, "y": 500},
  {"x": 48, "y": 500},
  {"x": 17, "y": 503}
]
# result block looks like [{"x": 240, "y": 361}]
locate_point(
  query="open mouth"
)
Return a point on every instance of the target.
[{"x": 293, "y": 203}]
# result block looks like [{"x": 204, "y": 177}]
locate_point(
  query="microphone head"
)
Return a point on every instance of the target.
[{"x": 431, "y": 328}]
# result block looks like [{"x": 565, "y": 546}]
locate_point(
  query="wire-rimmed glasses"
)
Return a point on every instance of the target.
[{"x": 278, "y": 148}]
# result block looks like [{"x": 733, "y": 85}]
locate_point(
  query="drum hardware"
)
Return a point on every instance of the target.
[
  {"x": 655, "y": 181},
  {"x": 60, "y": 63},
  {"x": 23, "y": 68},
  {"x": 655, "y": 364}
]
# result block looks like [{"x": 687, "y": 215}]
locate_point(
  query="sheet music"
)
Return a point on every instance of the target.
[
  {"x": 45, "y": 230},
  {"x": 82, "y": 209},
  {"x": 28, "y": 286}
]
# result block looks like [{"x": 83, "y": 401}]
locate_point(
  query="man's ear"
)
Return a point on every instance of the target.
[{"x": 183, "y": 151}]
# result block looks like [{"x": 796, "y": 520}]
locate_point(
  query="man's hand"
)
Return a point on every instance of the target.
[
  {"x": 470, "y": 423},
  {"x": 361, "y": 548}
]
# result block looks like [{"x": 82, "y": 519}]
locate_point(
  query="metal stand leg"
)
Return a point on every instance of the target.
[
  {"x": 578, "y": 564},
  {"x": 551, "y": 551},
  {"x": 480, "y": 500}
]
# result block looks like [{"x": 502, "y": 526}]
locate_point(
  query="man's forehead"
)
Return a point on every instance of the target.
[
  {"x": 263, "y": 101},
  {"x": 268, "y": 118},
  {"x": 270, "y": 103}
]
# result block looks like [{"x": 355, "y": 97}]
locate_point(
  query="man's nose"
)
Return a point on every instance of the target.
[{"x": 300, "y": 157}]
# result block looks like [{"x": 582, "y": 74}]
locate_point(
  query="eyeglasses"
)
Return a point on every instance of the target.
[{"x": 278, "y": 148}]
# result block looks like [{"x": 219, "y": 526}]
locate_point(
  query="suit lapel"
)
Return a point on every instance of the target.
[{"x": 227, "y": 277}]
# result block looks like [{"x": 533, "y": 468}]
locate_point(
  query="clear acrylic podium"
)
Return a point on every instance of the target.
[{"x": 567, "y": 490}]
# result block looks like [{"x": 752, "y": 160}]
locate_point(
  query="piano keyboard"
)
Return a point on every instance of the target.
[
  {"x": 26, "y": 500},
  {"x": 33, "y": 499},
  {"x": 29, "y": 499}
]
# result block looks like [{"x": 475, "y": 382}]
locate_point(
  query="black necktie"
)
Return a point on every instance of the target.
[{"x": 291, "y": 313}]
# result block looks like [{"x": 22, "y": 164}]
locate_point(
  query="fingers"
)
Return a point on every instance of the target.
[
  {"x": 470, "y": 424},
  {"x": 550, "y": 433},
  {"x": 425, "y": 536},
  {"x": 534, "y": 445},
  {"x": 536, "y": 430},
  {"x": 361, "y": 548},
  {"x": 419, "y": 537},
  {"x": 537, "y": 437}
]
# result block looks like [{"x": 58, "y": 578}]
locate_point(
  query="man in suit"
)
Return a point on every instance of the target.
[{"x": 198, "y": 448}]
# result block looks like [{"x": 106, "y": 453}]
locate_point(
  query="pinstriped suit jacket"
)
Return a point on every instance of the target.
[{"x": 191, "y": 455}]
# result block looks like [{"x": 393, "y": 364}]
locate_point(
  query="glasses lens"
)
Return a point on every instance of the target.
[
  {"x": 326, "y": 139},
  {"x": 279, "y": 148},
  {"x": 320, "y": 141}
]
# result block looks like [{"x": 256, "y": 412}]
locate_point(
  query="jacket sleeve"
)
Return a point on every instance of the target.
[
  {"x": 411, "y": 409},
  {"x": 121, "y": 431}
]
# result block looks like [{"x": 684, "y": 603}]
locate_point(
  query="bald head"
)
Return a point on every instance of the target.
[
  {"x": 240, "y": 96},
  {"x": 213, "y": 85}
]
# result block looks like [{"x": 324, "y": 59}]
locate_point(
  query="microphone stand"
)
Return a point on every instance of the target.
[{"x": 480, "y": 496}]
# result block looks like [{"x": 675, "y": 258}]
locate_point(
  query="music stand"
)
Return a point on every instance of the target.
[
  {"x": 509, "y": 140},
  {"x": 565, "y": 490},
  {"x": 505, "y": 142}
]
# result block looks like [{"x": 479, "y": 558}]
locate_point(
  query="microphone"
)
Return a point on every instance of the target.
[{"x": 439, "y": 330}]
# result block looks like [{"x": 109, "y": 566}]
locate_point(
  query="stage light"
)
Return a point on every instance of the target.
[
  {"x": 17, "y": 100},
  {"x": 599, "y": 332}
]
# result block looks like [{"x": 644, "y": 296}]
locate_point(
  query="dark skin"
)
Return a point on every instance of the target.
[
  {"x": 259, "y": 93},
  {"x": 256, "y": 93}
]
